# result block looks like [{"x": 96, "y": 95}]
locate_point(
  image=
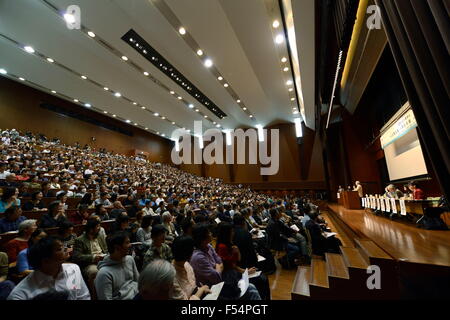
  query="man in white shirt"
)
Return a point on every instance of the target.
[
  {"x": 47, "y": 258},
  {"x": 3, "y": 172}
]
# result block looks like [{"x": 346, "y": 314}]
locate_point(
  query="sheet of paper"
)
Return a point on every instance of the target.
[
  {"x": 295, "y": 228},
  {"x": 382, "y": 203},
  {"x": 393, "y": 205},
  {"x": 261, "y": 258},
  {"x": 330, "y": 234},
  {"x": 218, "y": 220},
  {"x": 254, "y": 275},
  {"x": 402, "y": 207},
  {"x": 215, "y": 292},
  {"x": 243, "y": 283},
  {"x": 388, "y": 205}
]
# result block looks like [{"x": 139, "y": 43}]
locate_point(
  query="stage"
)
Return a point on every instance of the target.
[{"x": 401, "y": 240}]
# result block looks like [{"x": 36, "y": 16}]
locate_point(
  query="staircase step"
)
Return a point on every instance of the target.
[
  {"x": 301, "y": 281},
  {"x": 353, "y": 258},
  {"x": 319, "y": 274},
  {"x": 336, "y": 266},
  {"x": 371, "y": 250}
]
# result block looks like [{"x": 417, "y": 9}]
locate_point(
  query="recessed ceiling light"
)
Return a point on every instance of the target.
[
  {"x": 208, "y": 63},
  {"x": 238, "y": 101},
  {"x": 106, "y": 88},
  {"x": 3, "y": 71},
  {"x": 117, "y": 94},
  {"x": 21, "y": 79},
  {"x": 135, "y": 103},
  {"x": 179, "y": 98},
  {"x": 75, "y": 100},
  {"x": 172, "y": 92},
  {"x": 275, "y": 24},
  {"x": 244, "y": 108},
  {"x": 286, "y": 69},
  {"x": 214, "y": 122},
  {"x": 279, "y": 39},
  {"x": 226, "y": 85},
  {"x": 128, "y": 121},
  {"x": 173, "y": 122},
  {"x": 218, "y": 125},
  {"x": 156, "y": 114},
  {"x": 83, "y": 77},
  {"x": 70, "y": 18},
  {"x": 29, "y": 49},
  {"x": 163, "y": 135},
  {"x": 289, "y": 82},
  {"x": 191, "y": 106},
  {"x": 124, "y": 58},
  {"x": 283, "y": 59},
  {"x": 50, "y": 60},
  {"x": 105, "y": 111},
  {"x": 220, "y": 78},
  {"x": 251, "y": 116},
  {"x": 143, "y": 108},
  {"x": 295, "y": 112},
  {"x": 292, "y": 99},
  {"x": 200, "y": 52},
  {"x": 53, "y": 91},
  {"x": 91, "y": 34},
  {"x": 291, "y": 89},
  {"x": 197, "y": 110},
  {"x": 135, "y": 124},
  {"x": 146, "y": 73},
  {"x": 146, "y": 128},
  {"x": 206, "y": 116},
  {"x": 157, "y": 132},
  {"x": 87, "y": 105},
  {"x": 114, "y": 115},
  {"x": 182, "y": 30},
  {"x": 164, "y": 118}
]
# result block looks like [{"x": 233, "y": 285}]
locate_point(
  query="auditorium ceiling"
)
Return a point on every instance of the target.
[{"x": 237, "y": 79}]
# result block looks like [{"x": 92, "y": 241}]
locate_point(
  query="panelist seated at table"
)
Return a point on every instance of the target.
[
  {"x": 417, "y": 193},
  {"x": 393, "y": 192}
]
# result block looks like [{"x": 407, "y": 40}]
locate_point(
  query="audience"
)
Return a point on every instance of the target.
[
  {"x": 14, "y": 246},
  {"x": 117, "y": 277},
  {"x": 47, "y": 258},
  {"x": 23, "y": 266},
  {"x": 13, "y": 218},
  {"x": 9, "y": 199},
  {"x": 158, "y": 248},
  {"x": 156, "y": 281}
]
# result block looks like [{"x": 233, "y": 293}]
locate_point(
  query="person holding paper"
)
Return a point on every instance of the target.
[
  {"x": 321, "y": 243},
  {"x": 185, "y": 287},
  {"x": 230, "y": 255}
]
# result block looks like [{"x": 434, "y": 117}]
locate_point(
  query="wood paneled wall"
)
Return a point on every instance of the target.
[{"x": 20, "y": 109}]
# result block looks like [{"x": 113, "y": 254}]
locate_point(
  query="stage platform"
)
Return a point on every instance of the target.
[{"x": 403, "y": 241}]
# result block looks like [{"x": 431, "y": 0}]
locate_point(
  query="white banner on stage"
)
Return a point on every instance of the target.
[
  {"x": 388, "y": 205},
  {"x": 393, "y": 205},
  {"x": 338, "y": 195},
  {"x": 402, "y": 207},
  {"x": 378, "y": 204},
  {"x": 382, "y": 202}
]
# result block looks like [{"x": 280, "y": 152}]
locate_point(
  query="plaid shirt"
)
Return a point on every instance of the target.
[
  {"x": 164, "y": 252},
  {"x": 6, "y": 225}
]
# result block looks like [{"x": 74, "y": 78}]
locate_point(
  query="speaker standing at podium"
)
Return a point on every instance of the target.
[{"x": 359, "y": 189}]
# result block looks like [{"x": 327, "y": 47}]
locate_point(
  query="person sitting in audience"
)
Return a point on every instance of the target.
[
  {"x": 104, "y": 196},
  {"x": 6, "y": 286},
  {"x": 46, "y": 191},
  {"x": 9, "y": 199},
  {"x": 321, "y": 243},
  {"x": 10, "y": 181},
  {"x": 156, "y": 281},
  {"x": 66, "y": 190},
  {"x": 14, "y": 246},
  {"x": 47, "y": 258},
  {"x": 243, "y": 240},
  {"x": 80, "y": 216},
  {"x": 167, "y": 223},
  {"x": 67, "y": 235},
  {"x": 118, "y": 208},
  {"x": 54, "y": 182},
  {"x": 3, "y": 172},
  {"x": 417, "y": 193},
  {"x": 230, "y": 255},
  {"x": 23, "y": 266},
  {"x": 35, "y": 204},
  {"x": 89, "y": 249},
  {"x": 101, "y": 211},
  {"x": 117, "y": 277},
  {"x": 144, "y": 234},
  {"x": 54, "y": 216},
  {"x": 393, "y": 192},
  {"x": 148, "y": 208},
  {"x": 158, "y": 248},
  {"x": 87, "y": 200},
  {"x": 206, "y": 263},
  {"x": 186, "y": 227},
  {"x": 13, "y": 218},
  {"x": 185, "y": 286}
]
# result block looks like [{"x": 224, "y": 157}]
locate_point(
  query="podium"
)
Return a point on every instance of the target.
[{"x": 351, "y": 200}]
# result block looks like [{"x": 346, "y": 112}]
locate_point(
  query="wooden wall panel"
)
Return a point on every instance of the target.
[{"x": 19, "y": 108}]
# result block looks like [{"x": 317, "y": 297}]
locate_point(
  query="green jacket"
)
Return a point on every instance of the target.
[{"x": 82, "y": 254}]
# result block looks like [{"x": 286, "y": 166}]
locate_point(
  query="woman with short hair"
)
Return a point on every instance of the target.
[{"x": 14, "y": 246}]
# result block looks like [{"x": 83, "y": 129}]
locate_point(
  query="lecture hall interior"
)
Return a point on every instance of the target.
[{"x": 224, "y": 150}]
